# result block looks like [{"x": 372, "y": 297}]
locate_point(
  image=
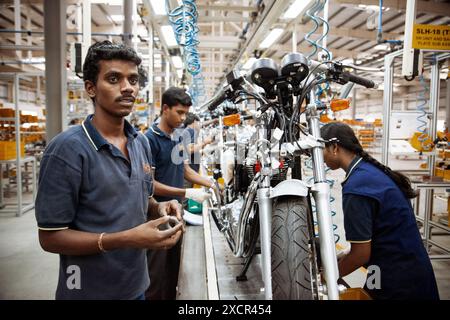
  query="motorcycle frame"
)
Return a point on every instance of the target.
[{"x": 320, "y": 191}]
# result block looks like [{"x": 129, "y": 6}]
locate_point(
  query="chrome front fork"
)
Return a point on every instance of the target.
[
  {"x": 265, "y": 225},
  {"x": 321, "y": 194},
  {"x": 265, "y": 213}
]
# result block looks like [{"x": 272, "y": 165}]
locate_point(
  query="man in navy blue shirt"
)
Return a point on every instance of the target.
[
  {"x": 171, "y": 168},
  {"x": 95, "y": 189},
  {"x": 191, "y": 144}
]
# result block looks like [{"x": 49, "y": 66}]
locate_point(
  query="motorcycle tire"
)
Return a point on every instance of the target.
[{"x": 292, "y": 271}]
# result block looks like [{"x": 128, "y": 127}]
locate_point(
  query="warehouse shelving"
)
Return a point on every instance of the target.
[{"x": 17, "y": 165}]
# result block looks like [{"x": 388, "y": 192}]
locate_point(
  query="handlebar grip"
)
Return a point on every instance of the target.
[
  {"x": 216, "y": 101},
  {"x": 359, "y": 80}
]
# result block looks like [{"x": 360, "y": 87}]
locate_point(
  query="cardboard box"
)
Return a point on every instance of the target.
[{"x": 8, "y": 150}]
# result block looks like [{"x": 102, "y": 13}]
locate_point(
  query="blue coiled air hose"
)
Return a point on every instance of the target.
[
  {"x": 184, "y": 20},
  {"x": 422, "y": 118}
]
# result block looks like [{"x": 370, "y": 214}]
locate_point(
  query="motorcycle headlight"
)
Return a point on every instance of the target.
[{"x": 294, "y": 66}]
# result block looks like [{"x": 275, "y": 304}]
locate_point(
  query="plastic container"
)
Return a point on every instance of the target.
[
  {"x": 354, "y": 294},
  {"x": 8, "y": 150},
  {"x": 194, "y": 206}
]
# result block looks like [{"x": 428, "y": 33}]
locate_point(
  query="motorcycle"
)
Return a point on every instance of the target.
[{"x": 264, "y": 197}]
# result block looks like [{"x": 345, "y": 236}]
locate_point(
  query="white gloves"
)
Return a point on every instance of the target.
[
  {"x": 342, "y": 253},
  {"x": 197, "y": 194}
]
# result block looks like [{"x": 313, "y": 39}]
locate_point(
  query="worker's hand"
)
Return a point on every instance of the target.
[
  {"x": 151, "y": 235},
  {"x": 216, "y": 186},
  {"x": 197, "y": 194},
  {"x": 171, "y": 208}
]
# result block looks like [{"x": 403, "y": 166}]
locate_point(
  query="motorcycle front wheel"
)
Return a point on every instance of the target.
[{"x": 293, "y": 260}]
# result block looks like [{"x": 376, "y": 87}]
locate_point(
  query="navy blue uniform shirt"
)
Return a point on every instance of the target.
[
  {"x": 168, "y": 158},
  {"x": 376, "y": 210},
  {"x": 191, "y": 137},
  {"x": 87, "y": 184}
]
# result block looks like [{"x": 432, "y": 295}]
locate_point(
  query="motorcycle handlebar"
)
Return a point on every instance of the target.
[
  {"x": 323, "y": 67},
  {"x": 234, "y": 81},
  {"x": 215, "y": 101},
  {"x": 359, "y": 80}
]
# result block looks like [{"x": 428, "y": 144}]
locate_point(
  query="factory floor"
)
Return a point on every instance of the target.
[{"x": 27, "y": 272}]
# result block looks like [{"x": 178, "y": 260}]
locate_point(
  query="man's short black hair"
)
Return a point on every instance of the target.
[
  {"x": 190, "y": 119},
  {"x": 106, "y": 50},
  {"x": 173, "y": 96}
]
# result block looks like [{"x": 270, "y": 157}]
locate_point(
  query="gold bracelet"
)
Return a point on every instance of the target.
[{"x": 100, "y": 243}]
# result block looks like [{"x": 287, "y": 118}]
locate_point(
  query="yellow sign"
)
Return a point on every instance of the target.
[{"x": 427, "y": 36}]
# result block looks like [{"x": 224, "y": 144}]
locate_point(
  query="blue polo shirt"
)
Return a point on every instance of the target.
[
  {"x": 192, "y": 138},
  {"x": 168, "y": 158},
  {"x": 87, "y": 184},
  {"x": 376, "y": 210}
]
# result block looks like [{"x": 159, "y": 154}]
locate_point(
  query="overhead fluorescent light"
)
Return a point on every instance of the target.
[
  {"x": 347, "y": 61},
  {"x": 117, "y": 17},
  {"x": 121, "y": 17},
  {"x": 34, "y": 60},
  {"x": 381, "y": 47},
  {"x": 169, "y": 36},
  {"x": 373, "y": 8},
  {"x": 177, "y": 62},
  {"x": 249, "y": 63},
  {"x": 159, "y": 7},
  {"x": 39, "y": 66},
  {"x": 295, "y": 9},
  {"x": 109, "y": 2},
  {"x": 271, "y": 38}
]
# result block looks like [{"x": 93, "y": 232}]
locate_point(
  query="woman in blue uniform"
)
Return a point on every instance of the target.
[{"x": 379, "y": 221}]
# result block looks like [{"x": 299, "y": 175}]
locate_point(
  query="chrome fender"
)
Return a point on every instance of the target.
[{"x": 291, "y": 187}]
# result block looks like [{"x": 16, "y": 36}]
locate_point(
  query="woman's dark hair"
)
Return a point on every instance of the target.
[
  {"x": 173, "y": 96},
  {"x": 341, "y": 134},
  {"x": 106, "y": 50}
]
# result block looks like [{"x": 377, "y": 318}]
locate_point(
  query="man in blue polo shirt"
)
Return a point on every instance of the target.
[
  {"x": 95, "y": 189},
  {"x": 191, "y": 144},
  {"x": 171, "y": 165}
]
